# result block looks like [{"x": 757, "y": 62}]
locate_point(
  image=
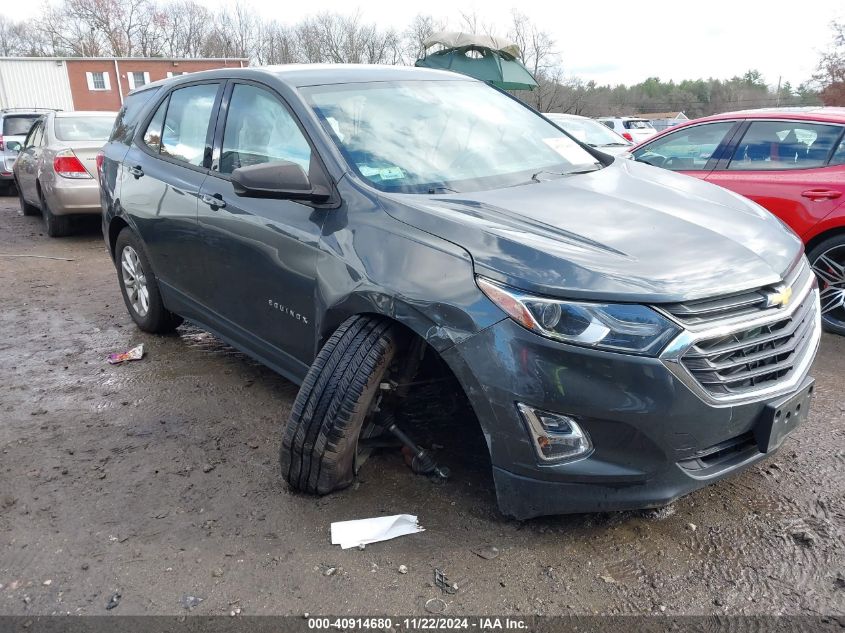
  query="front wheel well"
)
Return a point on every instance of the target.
[{"x": 115, "y": 227}]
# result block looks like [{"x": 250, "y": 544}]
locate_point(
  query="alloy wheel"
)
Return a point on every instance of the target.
[
  {"x": 135, "y": 281},
  {"x": 830, "y": 270}
]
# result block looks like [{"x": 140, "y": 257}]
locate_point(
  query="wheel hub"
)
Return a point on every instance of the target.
[
  {"x": 830, "y": 270},
  {"x": 135, "y": 281}
]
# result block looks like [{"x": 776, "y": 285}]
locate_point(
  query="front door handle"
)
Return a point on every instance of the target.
[
  {"x": 136, "y": 171},
  {"x": 821, "y": 194},
  {"x": 215, "y": 202}
]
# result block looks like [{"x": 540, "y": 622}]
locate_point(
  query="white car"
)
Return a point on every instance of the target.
[
  {"x": 591, "y": 132},
  {"x": 634, "y": 129}
]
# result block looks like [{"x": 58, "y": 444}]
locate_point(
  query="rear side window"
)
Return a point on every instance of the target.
[
  {"x": 784, "y": 145},
  {"x": 130, "y": 113},
  {"x": 839, "y": 155},
  {"x": 18, "y": 124},
  {"x": 184, "y": 136},
  {"x": 83, "y": 128}
]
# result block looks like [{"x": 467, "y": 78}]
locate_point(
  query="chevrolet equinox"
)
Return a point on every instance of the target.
[{"x": 623, "y": 334}]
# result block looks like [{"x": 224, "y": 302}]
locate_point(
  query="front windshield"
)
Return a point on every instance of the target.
[
  {"x": 589, "y": 131},
  {"x": 442, "y": 136}
]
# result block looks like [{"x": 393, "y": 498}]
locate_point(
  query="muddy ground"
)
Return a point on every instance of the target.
[{"x": 158, "y": 480}]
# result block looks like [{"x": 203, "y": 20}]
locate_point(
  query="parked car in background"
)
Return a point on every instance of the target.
[
  {"x": 631, "y": 128},
  {"x": 591, "y": 132},
  {"x": 789, "y": 160},
  {"x": 366, "y": 229},
  {"x": 15, "y": 124},
  {"x": 56, "y": 169}
]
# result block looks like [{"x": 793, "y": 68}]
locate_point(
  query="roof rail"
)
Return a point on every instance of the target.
[{"x": 30, "y": 109}]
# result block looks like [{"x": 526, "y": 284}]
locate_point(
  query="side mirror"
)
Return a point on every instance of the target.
[
  {"x": 279, "y": 179},
  {"x": 13, "y": 146}
]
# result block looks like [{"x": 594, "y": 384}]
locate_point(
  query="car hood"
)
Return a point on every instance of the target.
[{"x": 628, "y": 232}]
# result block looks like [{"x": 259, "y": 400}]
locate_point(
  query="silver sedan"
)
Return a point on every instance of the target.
[{"x": 56, "y": 170}]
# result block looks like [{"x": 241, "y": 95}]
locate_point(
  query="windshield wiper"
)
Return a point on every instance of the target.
[
  {"x": 595, "y": 167},
  {"x": 440, "y": 188}
]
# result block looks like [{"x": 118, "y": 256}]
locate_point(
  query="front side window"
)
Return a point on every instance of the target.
[
  {"x": 784, "y": 145},
  {"x": 589, "y": 131},
  {"x": 184, "y": 136},
  {"x": 259, "y": 129},
  {"x": 83, "y": 128},
  {"x": 127, "y": 118},
  {"x": 688, "y": 149},
  {"x": 436, "y": 136}
]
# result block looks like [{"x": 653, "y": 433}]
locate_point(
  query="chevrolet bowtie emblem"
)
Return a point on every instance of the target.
[{"x": 779, "y": 297}]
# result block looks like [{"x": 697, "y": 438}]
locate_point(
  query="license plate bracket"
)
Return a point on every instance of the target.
[{"x": 783, "y": 416}]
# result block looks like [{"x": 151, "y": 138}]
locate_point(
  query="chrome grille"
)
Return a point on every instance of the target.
[
  {"x": 751, "y": 302},
  {"x": 746, "y": 359},
  {"x": 737, "y": 347}
]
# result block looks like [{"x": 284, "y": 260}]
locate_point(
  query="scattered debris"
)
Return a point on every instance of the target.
[
  {"x": 403, "y": 569},
  {"x": 443, "y": 583},
  {"x": 662, "y": 608},
  {"x": 47, "y": 583},
  {"x": 330, "y": 571},
  {"x": 235, "y": 611},
  {"x": 207, "y": 468},
  {"x": 113, "y": 601},
  {"x": 610, "y": 580},
  {"x": 435, "y": 605},
  {"x": 365, "y": 531},
  {"x": 189, "y": 602},
  {"x": 217, "y": 573},
  {"x": 839, "y": 581},
  {"x": 136, "y": 353},
  {"x": 692, "y": 527},
  {"x": 804, "y": 537},
  {"x": 487, "y": 552}
]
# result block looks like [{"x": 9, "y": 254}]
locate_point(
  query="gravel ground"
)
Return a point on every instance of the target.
[{"x": 158, "y": 480}]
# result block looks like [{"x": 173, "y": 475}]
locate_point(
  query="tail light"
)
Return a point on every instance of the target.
[
  {"x": 101, "y": 156},
  {"x": 67, "y": 165},
  {"x": 2, "y": 144},
  {"x": 627, "y": 136}
]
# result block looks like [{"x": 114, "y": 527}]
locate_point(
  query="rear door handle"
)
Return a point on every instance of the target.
[
  {"x": 821, "y": 194},
  {"x": 136, "y": 171},
  {"x": 215, "y": 202}
]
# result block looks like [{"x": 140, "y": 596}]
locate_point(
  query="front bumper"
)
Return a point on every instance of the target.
[{"x": 655, "y": 439}]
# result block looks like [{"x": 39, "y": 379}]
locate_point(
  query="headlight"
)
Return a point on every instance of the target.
[{"x": 622, "y": 327}]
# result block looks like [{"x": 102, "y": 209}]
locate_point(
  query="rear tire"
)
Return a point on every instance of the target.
[
  {"x": 26, "y": 208},
  {"x": 828, "y": 261},
  {"x": 55, "y": 225},
  {"x": 321, "y": 437},
  {"x": 142, "y": 297}
]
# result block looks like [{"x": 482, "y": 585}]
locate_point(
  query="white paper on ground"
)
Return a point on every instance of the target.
[{"x": 364, "y": 531}]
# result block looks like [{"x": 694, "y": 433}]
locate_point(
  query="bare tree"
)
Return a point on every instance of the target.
[
  {"x": 421, "y": 28},
  {"x": 830, "y": 72}
]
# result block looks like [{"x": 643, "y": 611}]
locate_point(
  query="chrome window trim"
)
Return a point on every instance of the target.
[{"x": 674, "y": 351}]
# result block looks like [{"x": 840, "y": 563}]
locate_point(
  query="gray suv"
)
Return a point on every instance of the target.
[{"x": 623, "y": 334}]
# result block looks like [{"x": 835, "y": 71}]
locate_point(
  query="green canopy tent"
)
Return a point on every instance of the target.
[{"x": 486, "y": 58}]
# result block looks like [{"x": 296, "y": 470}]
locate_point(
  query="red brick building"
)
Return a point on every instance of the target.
[{"x": 74, "y": 83}]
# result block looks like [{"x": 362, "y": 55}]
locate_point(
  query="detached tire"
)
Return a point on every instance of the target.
[
  {"x": 321, "y": 436},
  {"x": 139, "y": 286}
]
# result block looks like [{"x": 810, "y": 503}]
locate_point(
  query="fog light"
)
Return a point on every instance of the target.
[{"x": 556, "y": 437}]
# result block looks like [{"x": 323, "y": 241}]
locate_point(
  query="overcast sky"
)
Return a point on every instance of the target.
[{"x": 616, "y": 41}]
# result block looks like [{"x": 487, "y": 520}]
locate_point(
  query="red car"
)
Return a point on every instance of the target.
[{"x": 789, "y": 160}]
